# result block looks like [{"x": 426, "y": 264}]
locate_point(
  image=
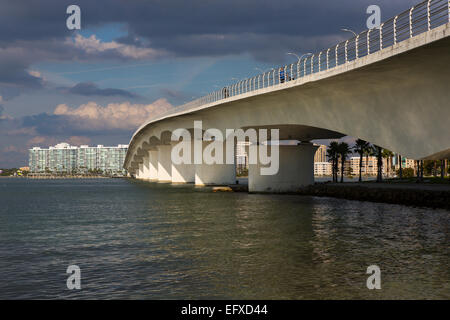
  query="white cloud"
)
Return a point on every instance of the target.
[
  {"x": 114, "y": 116},
  {"x": 92, "y": 45}
]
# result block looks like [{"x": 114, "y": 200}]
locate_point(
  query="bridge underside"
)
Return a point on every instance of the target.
[{"x": 399, "y": 101}]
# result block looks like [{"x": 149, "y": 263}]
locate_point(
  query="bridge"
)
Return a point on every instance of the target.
[{"x": 388, "y": 85}]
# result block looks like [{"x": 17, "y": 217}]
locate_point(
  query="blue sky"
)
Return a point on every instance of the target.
[{"x": 136, "y": 58}]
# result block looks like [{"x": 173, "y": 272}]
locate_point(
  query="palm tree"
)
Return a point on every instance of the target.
[
  {"x": 388, "y": 154},
  {"x": 378, "y": 151},
  {"x": 361, "y": 147},
  {"x": 400, "y": 169},
  {"x": 343, "y": 151},
  {"x": 332, "y": 154}
]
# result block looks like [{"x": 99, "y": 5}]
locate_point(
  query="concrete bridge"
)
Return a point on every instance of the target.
[{"x": 389, "y": 86}]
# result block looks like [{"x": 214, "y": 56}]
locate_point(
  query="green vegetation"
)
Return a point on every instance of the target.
[
  {"x": 361, "y": 147},
  {"x": 12, "y": 172},
  {"x": 407, "y": 173}
]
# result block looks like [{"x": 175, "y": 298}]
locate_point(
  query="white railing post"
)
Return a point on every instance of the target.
[
  {"x": 304, "y": 67},
  {"x": 292, "y": 74},
  {"x": 395, "y": 29},
  {"x": 273, "y": 77},
  {"x": 346, "y": 56},
  {"x": 410, "y": 22},
  {"x": 356, "y": 46},
  {"x": 320, "y": 55},
  {"x": 336, "y": 55},
  {"x": 428, "y": 15},
  {"x": 368, "y": 41},
  {"x": 328, "y": 63},
  {"x": 381, "y": 36},
  {"x": 298, "y": 68},
  {"x": 312, "y": 64}
]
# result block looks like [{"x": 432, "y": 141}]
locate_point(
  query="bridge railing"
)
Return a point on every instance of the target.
[{"x": 419, "y": 19}]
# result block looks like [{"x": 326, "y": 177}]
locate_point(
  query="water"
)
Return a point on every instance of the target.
[{"x": 154, "y": 241}]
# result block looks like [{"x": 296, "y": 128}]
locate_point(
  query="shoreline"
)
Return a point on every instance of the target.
[{"x": 419, "y": 195}]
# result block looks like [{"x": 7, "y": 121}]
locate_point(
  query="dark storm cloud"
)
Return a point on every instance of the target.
[
  {"x": 91, "y": 89},
  {"x": 34, "y": 31},
  {"x": 46, "y": 19},
  {"x": 159, "y": 21}
]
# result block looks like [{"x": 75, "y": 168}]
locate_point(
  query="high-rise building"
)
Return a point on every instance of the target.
[
  {"x": 322, "y": 169},
  {"x": 64, "y": 158},
  {"x": 321, "y": 154},
  {"x": 369, "y": 165}
]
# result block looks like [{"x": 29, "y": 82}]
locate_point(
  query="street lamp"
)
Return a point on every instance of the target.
[
  {"x": 348, "y": 30},
  {"x": 294, "y": 54},
  {"x": 299, "y": 58}
]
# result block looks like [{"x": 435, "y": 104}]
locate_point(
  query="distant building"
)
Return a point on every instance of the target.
[
  {"x": 24, "y": 169},
  {"x": 369, "y": 165},
  {"x": 241, "y": 153},
  {"x": 321, "y": 154},
  {"x": 64, "y": 158},
  {"x": 322, "y": 169}
]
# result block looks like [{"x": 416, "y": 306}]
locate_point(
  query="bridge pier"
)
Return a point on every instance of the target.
[
  {"x": 296, "y": 169},
  {"x": 145, "y": 168},
  {"x": 215, "y": 174},
  {"x": 153, "y": 164},
  {"x": 184, "y": 173},
  {"x": 164, "y": 163},
  {"x": 140, "y": 171}
]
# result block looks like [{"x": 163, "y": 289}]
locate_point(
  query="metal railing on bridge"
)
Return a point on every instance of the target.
[{"x": 419, "y": 19}]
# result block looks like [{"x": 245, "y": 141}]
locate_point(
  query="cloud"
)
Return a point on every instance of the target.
[
  {"x": 33, "y": 32},
  {"x": 94, "y": 47},
  {"x": 123, "y": 116},
  {"x": 91, "y": 89},
  {"x": 78, "y": 140}
]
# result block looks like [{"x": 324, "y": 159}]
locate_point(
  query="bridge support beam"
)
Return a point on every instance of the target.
[
  {"x": 296, "y": 169},
  {"x": 153, "y": 164},
  {"x": 184, "y": 173},
  {"x": 140, "y": 171},
  {"x": 145, "y": 168},
  {"x": 215, "y": 174},
  {"x": 164, "y": 163}
]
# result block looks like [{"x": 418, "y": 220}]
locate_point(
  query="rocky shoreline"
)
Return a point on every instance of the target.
[{"x": 421, "y": 196}]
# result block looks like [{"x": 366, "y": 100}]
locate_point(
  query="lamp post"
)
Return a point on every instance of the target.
[{"x": 348, "y": 30}]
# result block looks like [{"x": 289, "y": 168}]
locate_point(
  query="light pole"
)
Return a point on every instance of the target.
[
  {"x": 299, "y": 58},
  {"x": 348, "y": 30},
  {"x": 294, "y": 54}
]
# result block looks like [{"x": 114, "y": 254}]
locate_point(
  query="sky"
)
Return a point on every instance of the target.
[{"x": 133, "y": 59}]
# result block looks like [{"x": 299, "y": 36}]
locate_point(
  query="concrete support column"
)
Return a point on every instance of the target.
[
  {"x": 215, "y": 174},
  {"x": 145, "y": 168},
  {"x": 296, "y": 169},
  {"x": 184, "y": 173},
  {"x": 153, "y": 164},
  {"x": 140, "y": 171},
  {"x": 164, "y": 163}
]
